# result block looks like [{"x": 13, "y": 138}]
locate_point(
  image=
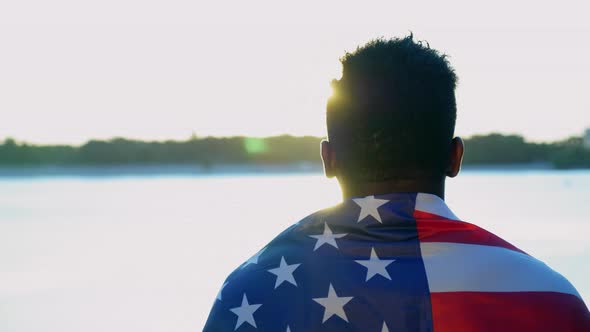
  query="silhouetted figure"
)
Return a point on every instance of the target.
[{"x": 392, "y": 256}]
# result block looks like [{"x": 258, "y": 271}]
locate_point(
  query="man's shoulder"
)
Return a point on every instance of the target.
[
  {"x": 398, "y": 264},
  {"x": 460, "y": 256},
  {"x": 468, "y": 267},
  {"x": 270, "y": 280}
]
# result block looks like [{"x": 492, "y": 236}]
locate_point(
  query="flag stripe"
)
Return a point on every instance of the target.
[
  {"x": 432, "y": 230},
  {"x": 508, "y": 312},
  {"x": 435, "y": 205},
  {"x": 452, "y": 267}
]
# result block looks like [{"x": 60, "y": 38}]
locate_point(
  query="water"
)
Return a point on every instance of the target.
[{"x": 148, "y": 253}]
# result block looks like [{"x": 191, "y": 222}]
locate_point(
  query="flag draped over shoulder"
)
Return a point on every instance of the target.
[{"x": 396, "y": 262}]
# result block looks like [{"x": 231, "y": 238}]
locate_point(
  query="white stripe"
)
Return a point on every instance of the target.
[
  {"x": 456, "y": 267},
  {"x": 433, "y": 204}
]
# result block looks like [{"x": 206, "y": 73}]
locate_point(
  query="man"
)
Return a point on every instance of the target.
[{"x": 392, "y": 256}]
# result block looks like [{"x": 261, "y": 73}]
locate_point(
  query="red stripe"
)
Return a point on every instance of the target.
[
  {"x": 427, "y": 215},
  {"x": 507, "y": 312},
  {"x": 433, "y": 228}
]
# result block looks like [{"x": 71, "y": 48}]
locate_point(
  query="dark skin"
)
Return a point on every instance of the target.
[{"x": 426, "y": 185}]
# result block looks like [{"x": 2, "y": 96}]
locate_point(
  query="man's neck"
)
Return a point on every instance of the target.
[{"x": 435, "y": 187}]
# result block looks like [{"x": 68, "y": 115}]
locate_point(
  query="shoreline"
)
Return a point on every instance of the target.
[{"x": 216, "y": 170}]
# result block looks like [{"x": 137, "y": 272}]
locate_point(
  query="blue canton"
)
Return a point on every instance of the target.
[{"x": 354, "y": 267}]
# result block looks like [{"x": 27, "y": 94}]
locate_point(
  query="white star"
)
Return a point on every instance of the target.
[
  {"x": 369, "y": 206},
  {"x": 254, "y": 259},
  {"x": 284, "y": 273},
  {"x": 385, "y": 328},
  {"x": 376, "y": 266},
  {"x": 328, "y": 237},
  {"x": 245, "y": 312},
  {"x": 333, "y": 305},
  {"x": 221, "y": 290}
]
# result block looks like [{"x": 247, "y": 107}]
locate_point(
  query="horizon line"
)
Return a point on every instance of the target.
[{"x": 197, "y": 137}]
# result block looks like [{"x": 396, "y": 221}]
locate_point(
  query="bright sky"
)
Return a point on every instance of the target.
[{"x": 72, "y": 70}]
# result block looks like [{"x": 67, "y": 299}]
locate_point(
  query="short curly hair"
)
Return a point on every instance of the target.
[{"x": 393, "y": 112}]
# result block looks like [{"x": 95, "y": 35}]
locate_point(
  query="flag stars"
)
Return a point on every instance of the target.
[
  {"x": 284, "y": 273},
  {"x": 376, "y": 266},
  {"x": 333, "y": 305},
  {"x": 326, "y": 238},
  {"x": 245, "y": 312},
  {"x": 369, "y": 207}
]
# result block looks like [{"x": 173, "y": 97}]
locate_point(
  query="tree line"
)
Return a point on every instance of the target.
[{"x": 206, "y": 151}]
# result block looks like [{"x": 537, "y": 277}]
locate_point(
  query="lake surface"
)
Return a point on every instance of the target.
[{"x": 149, "y": 252}]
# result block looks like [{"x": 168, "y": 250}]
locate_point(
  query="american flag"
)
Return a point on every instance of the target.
[{"x": 395, "y": 262}]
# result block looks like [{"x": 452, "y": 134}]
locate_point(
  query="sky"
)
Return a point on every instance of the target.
[{"x": 75, "y": 70}]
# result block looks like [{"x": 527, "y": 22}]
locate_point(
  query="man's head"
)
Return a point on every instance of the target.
[{"x": 392, "y": 115}]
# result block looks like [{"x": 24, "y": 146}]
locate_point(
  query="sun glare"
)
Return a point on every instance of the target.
[{"x": 254, "y": 145}]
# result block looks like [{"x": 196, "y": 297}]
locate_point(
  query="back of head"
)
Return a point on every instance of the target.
[{"x": 392, "y": 114}]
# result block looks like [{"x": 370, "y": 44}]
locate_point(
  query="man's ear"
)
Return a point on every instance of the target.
[
  {"x": 456, "y": 157},
  {"x": 329, "y": 158}
]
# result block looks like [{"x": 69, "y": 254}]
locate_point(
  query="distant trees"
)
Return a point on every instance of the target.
[
  {"x": 570, "y": 153},
  {"x": 503, "y": 149},
  {"x": 488, "y": 149},
  {"x": 14, "y": 153}
]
